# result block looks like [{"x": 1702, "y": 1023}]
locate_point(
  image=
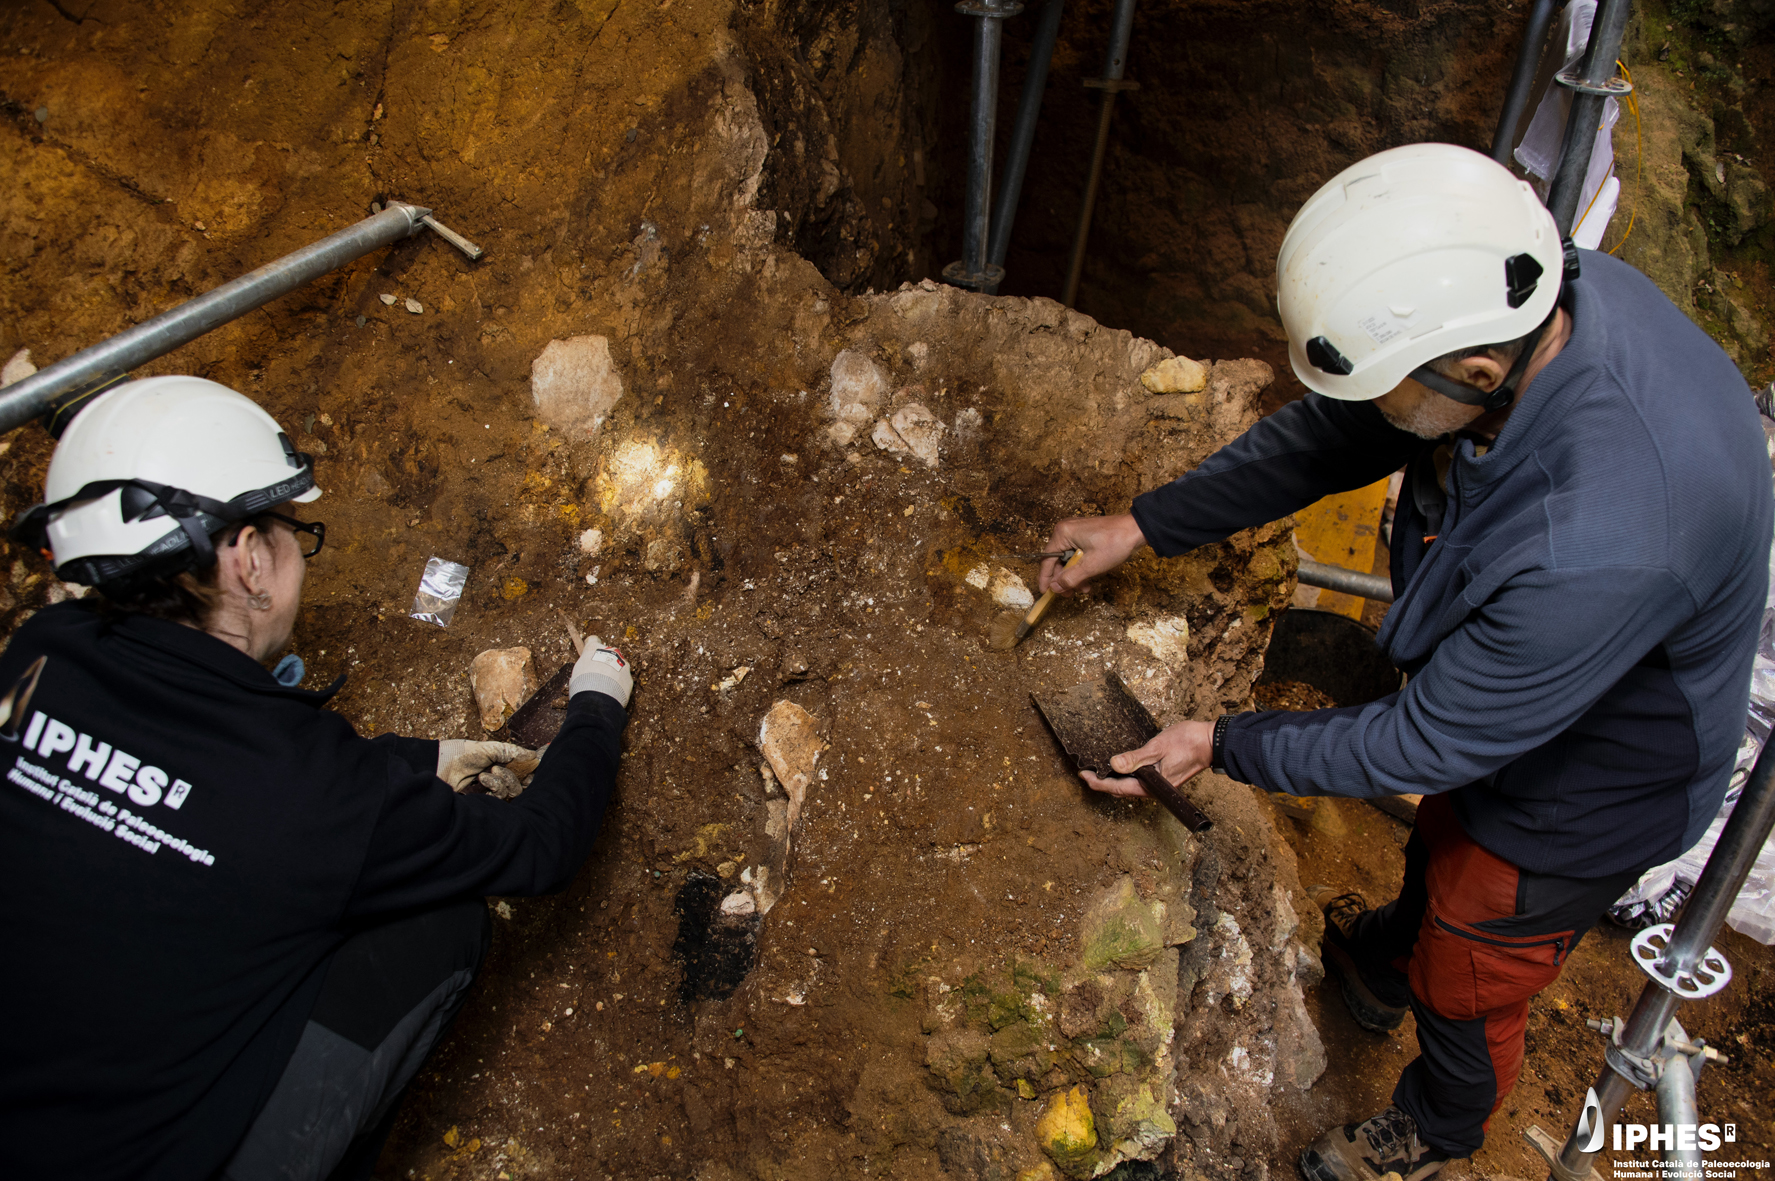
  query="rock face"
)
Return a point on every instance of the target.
[
  {"x": 1068, "y": 1133},
  {"x": 1175, "y": 375},
  {"x": 502, "y": 679},
  {"x": 575, "y": 384},
  {"x": 790, "y": 739}
]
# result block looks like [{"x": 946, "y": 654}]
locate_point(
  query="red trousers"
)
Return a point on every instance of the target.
[{"x": 1470, "y": 939}]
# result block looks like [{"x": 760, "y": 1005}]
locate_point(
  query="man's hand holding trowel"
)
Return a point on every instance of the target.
[{"x": 1180, "y": 751}]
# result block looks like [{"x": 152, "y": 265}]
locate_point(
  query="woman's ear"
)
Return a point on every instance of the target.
[{"x": 248, "y": 561}]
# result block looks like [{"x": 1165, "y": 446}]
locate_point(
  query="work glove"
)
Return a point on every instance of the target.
[
  {"x": 462, "y": 761},
  {"x": 602, "y": 670}
]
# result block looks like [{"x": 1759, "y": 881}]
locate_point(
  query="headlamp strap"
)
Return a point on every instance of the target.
[
  {"x": 1470, "y": 396},
  {"x": 183, "y": 506}
]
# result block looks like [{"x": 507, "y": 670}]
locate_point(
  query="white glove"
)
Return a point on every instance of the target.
[
  {"x": 461, "y": 760},
  {"x": 602, "y": 670}
]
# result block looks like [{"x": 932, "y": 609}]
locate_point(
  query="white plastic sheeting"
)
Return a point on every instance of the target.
[{"x": 1539, "y": 150}]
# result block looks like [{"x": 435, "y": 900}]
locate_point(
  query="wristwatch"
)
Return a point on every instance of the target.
[{"x": 1217, "y": 762}]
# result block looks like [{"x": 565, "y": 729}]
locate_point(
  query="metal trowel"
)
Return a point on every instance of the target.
[
  {"x": 1100, "y": 719},
  {"x": 538, "y": 720}
]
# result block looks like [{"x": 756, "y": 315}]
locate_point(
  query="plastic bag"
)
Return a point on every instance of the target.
[
  {"x": 1539, "y": 150},
  {"x": 440, "y": 589}
]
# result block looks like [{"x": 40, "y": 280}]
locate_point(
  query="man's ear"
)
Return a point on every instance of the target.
[{"x": 1484, "y": 372}]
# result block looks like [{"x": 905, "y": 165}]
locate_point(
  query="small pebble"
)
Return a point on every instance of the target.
[
  {"x": 43, "y": 117},
  {"x": 362, "y": 320},
  {"x": 415, "y": 306},
  {"x": 387, "y": 298},
  {"x": 630, "y": 137}
]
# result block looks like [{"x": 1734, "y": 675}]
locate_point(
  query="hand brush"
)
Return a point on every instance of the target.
[{"x": 1009, "y": 628}]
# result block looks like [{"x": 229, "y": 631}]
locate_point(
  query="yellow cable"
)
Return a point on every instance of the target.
[
  {"x": 1633, "y": 106},
  {"x": 1639, "y": 173}
]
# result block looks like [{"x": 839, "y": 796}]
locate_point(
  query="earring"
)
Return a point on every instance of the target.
[{"x": 260, "y": 601}]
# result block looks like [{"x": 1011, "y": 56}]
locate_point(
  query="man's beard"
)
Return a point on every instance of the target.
[{"x": 1432, "y": 418}]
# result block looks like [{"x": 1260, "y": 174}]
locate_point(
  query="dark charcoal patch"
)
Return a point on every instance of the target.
[
  {"x": 1137, "y": 1170},
  {"x": 715, "y": 950}
]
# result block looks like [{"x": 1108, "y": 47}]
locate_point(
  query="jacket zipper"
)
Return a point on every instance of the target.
[{"x": 1559, "y": 944}]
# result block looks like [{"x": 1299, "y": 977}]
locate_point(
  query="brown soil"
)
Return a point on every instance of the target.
[
  {"x": 1290, "y": 695},
  {"x": 691, "y": 180}
]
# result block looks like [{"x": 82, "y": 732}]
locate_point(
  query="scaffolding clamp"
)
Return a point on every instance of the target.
[
  {"x": 1711, "y": 972},
  {"x": 1573, "y": 79}
]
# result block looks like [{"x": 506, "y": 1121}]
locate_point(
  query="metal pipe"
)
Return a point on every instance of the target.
[
  {"x": 1528, "y": 61},
  {"x": 988, "y": 37},
  {"x": 1348, "y": 582},
  {"x": 1111, "y": 84},
  {"x": 1592, "y": 81},
  {"x": 1676, "y": 1105},
  {"x": 25, "y": 400},
  {"x": 1745, "y": 833},
  {"x": 974, "y": 271},
  {"x": 1029, "y": 109}
]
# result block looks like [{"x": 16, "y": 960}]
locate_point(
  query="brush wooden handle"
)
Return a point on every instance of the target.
[{"x": 1042, "y": 604}]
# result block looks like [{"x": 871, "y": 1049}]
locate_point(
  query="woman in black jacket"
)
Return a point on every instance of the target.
[{"x": 236, "y": 927}]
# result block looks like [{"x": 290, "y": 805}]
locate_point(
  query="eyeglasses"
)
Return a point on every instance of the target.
[{"x": 310, "y": 535}]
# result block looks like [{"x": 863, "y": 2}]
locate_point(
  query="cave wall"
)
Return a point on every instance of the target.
[
  {"x": 1696, "y": 214},
  {"x": 1244, "y": 109}
]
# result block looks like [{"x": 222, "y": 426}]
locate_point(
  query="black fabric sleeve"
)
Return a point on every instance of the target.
[
  {"x": 421, "y": 754},
  {"x": 1305, "y": 451},
  {"x": 432, "y": 845}
]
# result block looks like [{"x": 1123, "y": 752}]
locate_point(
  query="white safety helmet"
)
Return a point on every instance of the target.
[
  {"x": 1411, "y": 254},
  {"x": 146, "y": 472}
]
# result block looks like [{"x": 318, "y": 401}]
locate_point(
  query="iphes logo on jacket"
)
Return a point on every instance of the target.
[{"x": 95, "y": 761}]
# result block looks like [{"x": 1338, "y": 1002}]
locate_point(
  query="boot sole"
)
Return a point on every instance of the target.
[
  {"x": 1313, "y": 1167},
  {"x": 1364, "y": 1006}
]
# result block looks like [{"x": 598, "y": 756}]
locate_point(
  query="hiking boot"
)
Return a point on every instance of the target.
[
  {"x": 1367, "y": 1151},
  {"x": 1370, "y": 1012}
]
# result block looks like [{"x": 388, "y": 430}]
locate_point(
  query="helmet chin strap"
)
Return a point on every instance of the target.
[{"x": 1473, "y": 396}]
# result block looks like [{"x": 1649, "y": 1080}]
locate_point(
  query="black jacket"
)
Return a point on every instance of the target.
[{"x": 183, "y": 844}]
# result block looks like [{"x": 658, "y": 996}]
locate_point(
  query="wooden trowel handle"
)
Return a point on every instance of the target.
[{"x": 1160, "y": 789}]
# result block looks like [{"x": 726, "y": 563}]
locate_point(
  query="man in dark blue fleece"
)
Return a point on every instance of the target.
[{"x": 1580, "y": 557}]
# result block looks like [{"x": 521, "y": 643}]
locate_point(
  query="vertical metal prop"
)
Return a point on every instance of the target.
[
  {"x": 1643, "y": 1038},
  {"x": 24, "y": 400},
  {"x": 1528, "y": 62},
  {"x": 1111, "y": 84},
  {"x": 974, "y": 271},
  {"x": 1593, "y": 81},
  {"x": 1676, "y": 1105},
  {"x": 1029, "y": 109}
]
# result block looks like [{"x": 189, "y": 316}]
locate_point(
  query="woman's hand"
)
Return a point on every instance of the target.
[
  {"x": 461, "y": 760},
  {"x": 602, "y": 669}
]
